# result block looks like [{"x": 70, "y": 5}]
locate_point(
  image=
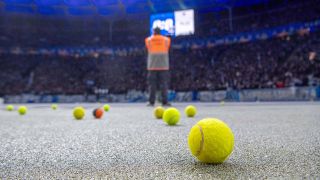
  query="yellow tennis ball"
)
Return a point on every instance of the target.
[
  {"x": 106, "y": 107},
  {"x": 79, "y": 112},
  {"x": 171, "y": 116},
  {"x": 211, "y": 141},
  {"x": 158, "y": 112},
  {"x": 10, "y": 108},
  {"x": 190, "y": 111},
  {"x": 54, "y": 106},
  {"x": 22, "y": 110}
]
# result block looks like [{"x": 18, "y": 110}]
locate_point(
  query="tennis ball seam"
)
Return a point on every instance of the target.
[{"x": 201, "y": 142}]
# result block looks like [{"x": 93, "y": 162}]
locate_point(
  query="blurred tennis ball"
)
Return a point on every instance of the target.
[
  {"x": 106, "y": 107},
  {"x": 10, "y": 107},
  {"x": 211, "y": 141},
  {"x": 54, "y": 106},
  {"x": 158, "y": 112},
  {"x": 22, "y": 110},
  {"x": 79, "y": 112},
  {"x": 190, "y": 111},
  {"x": 98, "y": 113},
  {"x": 171, "y": 116}
]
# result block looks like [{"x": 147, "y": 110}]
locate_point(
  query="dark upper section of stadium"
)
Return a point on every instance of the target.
[
  {"x": 115, "y": 7},
  {"x": 23, "y": 29}
]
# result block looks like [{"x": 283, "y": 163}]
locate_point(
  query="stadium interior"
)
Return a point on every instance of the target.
[{"x": 48, "y": 47}]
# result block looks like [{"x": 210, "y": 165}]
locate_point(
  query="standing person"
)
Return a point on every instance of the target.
[{"x": 158, "y": 66}]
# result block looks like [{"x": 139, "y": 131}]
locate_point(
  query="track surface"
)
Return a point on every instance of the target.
[{"x": 271, "y": 140}]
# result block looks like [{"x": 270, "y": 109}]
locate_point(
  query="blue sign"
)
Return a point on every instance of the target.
[{"x": 165, "y": 22}]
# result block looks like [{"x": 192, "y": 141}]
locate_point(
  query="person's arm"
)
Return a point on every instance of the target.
[
  {"x": 168, "y": 42},
  {"x": 147, "y": 43}
]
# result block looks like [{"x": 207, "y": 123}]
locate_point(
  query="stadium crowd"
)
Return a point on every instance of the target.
[{"x": 274, "y": 63}]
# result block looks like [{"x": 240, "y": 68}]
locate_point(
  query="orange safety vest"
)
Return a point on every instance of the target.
[{"x": 157, "y": 44}]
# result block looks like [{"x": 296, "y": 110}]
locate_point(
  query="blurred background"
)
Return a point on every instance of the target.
[{"x": 222, "y": 50}]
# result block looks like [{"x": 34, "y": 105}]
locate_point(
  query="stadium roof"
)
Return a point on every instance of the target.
[{"x": 113, "y": 7}]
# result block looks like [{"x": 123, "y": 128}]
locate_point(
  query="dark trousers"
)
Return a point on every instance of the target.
[{"x": 158, "y": 79}]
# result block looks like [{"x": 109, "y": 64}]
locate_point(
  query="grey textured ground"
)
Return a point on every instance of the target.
[{"x": 271, "y": 140}]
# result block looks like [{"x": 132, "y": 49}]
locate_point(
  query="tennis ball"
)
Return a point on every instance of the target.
[
  {"x": 158, "y": 112},
  {"x": 22, "y": 110},
  {"x": 98, "y": 113},
  {"x": 171, "y": 116},
  {"x": 106, "y": 107},
  {"x": 211, "y": 141},
  {"x": 10, "y": 108},
  {"x": 54, "y": 106},
  {"x": 190, "y": 111},
  {"x": 222, "y": 103},
  {"x": 79, "y": 112}
]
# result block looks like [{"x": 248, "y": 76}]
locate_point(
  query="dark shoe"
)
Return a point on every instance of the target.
[
  {"x": 150, "y": 104},
  {"x": 166, "y": 104}
]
